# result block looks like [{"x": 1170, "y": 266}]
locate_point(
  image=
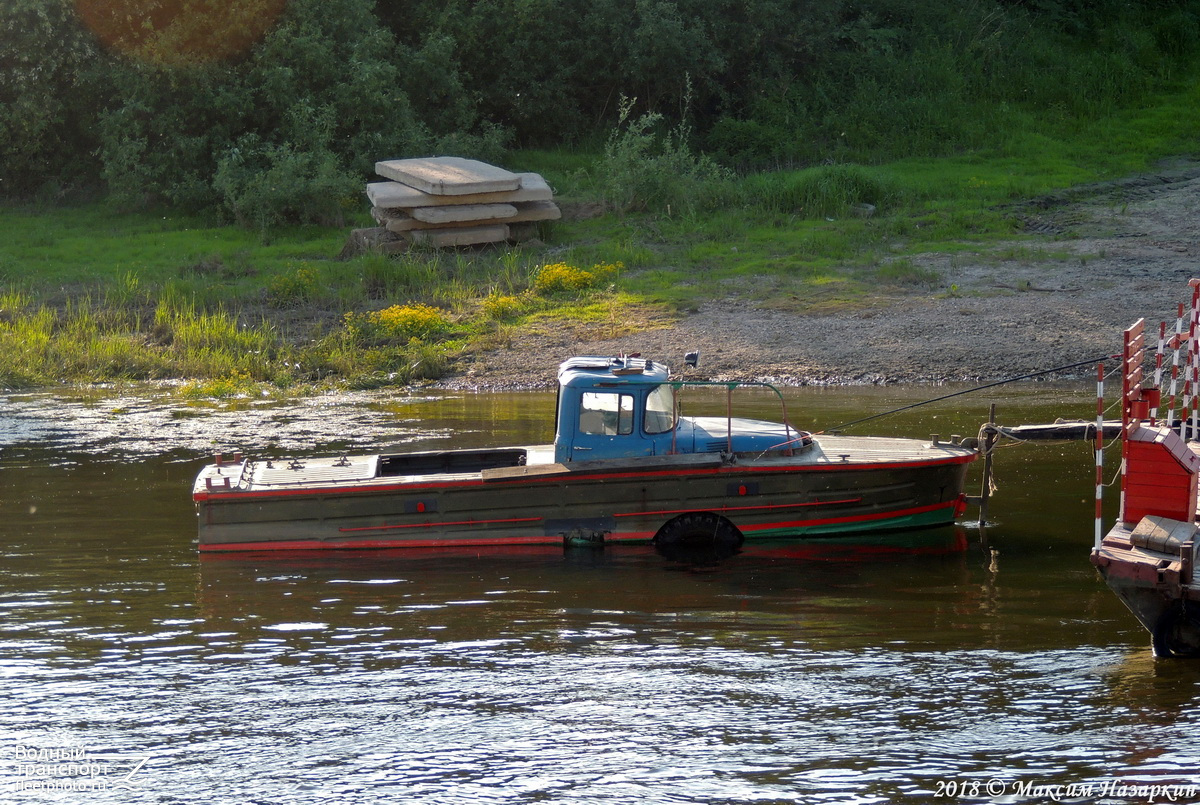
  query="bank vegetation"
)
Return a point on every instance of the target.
[{"x": 179, "y": 185}]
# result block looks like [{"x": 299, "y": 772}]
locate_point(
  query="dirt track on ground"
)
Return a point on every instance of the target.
[{"x": 1101, "y": 256}]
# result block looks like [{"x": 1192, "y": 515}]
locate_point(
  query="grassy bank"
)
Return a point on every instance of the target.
[{"x": 92, "y": 293}]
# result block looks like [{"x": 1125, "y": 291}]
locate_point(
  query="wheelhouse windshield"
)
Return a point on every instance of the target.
[{"x": 660, "y": 409}]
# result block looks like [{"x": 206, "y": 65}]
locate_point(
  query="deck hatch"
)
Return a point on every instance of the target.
[{"x": 451, "y": 461}]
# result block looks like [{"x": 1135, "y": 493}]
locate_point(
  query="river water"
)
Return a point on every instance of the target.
[{"x": 944, "y": 666}]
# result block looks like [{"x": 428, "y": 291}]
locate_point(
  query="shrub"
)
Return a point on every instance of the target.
[
  {"x": 271, "y": 135},
  {"x": 265, "y": 186},
  {"x": 398, "y": 323},
  {"x": 500, "y": 306},
  {"x": 555, "y": 278},
  {"x": 294, "y": 288},
  {"x": 830, "y": 190},
  {"x": 561, "y": 278},
  {"x": 645, "y": 170}
]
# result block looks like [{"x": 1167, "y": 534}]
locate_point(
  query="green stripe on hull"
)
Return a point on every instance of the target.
[{"x": 943, "y": 516}]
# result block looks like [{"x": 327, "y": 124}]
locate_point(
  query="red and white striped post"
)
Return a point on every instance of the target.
[
  {"x": 1099, "y": 453},
  {"x": 1194, "y": 363},
  {"x": 1132, "y": 399},
  {"x": 1175, "y": 344},
  {"x": 1158, "y": 369},
  {"x": 1189, "y": 374}
]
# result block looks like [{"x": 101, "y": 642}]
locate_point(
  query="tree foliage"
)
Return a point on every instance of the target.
[
  {"x": 320, "y": 88},
  {"x": 231, "y": 103},
  {"x": 48, "y": 94}
]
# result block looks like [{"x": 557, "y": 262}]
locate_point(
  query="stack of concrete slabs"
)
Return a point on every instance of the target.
[{"x": 468, "y": 202}]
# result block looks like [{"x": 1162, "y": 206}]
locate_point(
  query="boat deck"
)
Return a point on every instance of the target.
[
  {"x": 538, "y": 460},
  {"x": 1157, "y": 554},
  {"x": 349, "y": 470},
  {"x": 314, "y": 470},
  {"x": 880, "y": 450}
]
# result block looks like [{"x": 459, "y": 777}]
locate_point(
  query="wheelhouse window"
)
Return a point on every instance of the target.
[
  {"x": 605, "y": 413},
  {"x": 660, "y": 409}
]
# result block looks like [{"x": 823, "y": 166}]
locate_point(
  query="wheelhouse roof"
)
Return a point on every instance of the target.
[{"x": 594, "y": 370}]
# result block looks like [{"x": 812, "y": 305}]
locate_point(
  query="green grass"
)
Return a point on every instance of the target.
[
  {"x": 77, "y": 244},
  {"x": 798, "y": 230},
  {"x": 91, "y": 292},
  {"x": 139, "y": 304}
]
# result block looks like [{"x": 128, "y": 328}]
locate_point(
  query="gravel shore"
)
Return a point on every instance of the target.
[{"x": 1120, "y": 250}]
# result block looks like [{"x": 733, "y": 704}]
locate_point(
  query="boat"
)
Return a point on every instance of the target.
[
  {"x": 1148, "y": 557},
  {"x": 625, "y": 466}
]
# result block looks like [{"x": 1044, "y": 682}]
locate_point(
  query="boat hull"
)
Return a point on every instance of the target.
[
  {"x": 764, "y": 497},
  {"x": 1150, "y": 568}
]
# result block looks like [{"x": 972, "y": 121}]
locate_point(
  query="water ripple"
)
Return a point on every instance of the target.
[{"x": 544, "y": 676}]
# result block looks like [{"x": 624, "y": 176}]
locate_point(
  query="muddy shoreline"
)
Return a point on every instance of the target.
[{"x": 1091, "y": 261}]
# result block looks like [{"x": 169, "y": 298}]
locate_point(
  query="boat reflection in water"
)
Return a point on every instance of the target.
[
  {"x": 869, "y": 547},
  {"x": 613, "y": 578}
]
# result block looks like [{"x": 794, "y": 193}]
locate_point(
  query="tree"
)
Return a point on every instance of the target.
[
  {"x": 319, "y": 96},
  {"x": 49, "y": 95}
]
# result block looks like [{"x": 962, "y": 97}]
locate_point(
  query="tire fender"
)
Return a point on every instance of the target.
[{"x": 698, "y": 536}]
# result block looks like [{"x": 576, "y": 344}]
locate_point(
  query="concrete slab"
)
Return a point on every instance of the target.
[
  {"x": 536, "y": 211},
  {"x": 460, "y": 236},
  {"x": 464, "y": 212},
  {"x": 396, "y": 195},
  {"x": 449, "y": 176},
  {"x": 400, "y": 221}
]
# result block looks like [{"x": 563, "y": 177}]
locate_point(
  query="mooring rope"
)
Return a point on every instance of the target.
[{"x": 1076, "y": 365}]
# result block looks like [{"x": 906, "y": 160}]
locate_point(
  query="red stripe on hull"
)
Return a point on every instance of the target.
[
  {"x": 419, "y": 542},
  {"x": 387, "y": 527},
  {"x": 770, "y": 507},
  {"x": 858, "y": 518}
]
